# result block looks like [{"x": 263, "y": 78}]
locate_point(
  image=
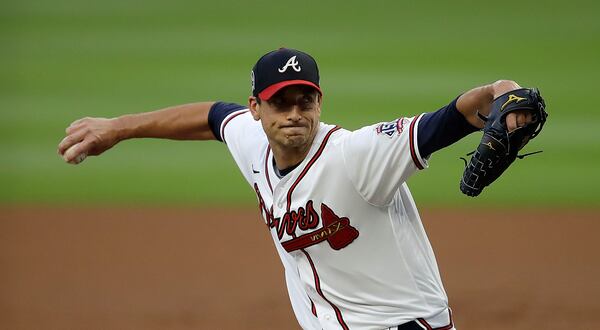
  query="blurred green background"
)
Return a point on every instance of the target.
[{"x": 62, "y": 60}]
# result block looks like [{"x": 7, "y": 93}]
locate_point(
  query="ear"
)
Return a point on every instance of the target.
[
  {"x": 254, "y": 107},
  {"x": 319, "y": 102}
]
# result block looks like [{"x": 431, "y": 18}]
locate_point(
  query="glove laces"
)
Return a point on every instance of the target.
[{"x": 518, "y": 156}]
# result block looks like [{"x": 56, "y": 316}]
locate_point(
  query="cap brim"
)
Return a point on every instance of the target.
[{"x": 271, "y": 90}]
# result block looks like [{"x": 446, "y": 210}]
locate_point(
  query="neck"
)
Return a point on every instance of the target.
[{"x": 286, "y": 157}]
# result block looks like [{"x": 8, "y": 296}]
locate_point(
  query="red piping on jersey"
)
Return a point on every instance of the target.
[
  {"x": 313, "y": 308},
  {"x": 412, "y": 144},
  {"x": 308, "y": 166},
  {"x": 227, "y": 121},
  {"x": 267, "y": 168},
  {"x": 425, "y": 324},
  {"x": 338, "y": 313},
  {"x": 429, "y": 327}
]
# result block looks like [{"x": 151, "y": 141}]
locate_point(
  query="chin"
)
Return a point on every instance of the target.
[{"x": 295, "y": 141}]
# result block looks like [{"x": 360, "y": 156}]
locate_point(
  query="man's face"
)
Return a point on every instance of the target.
[{"x": 291, "y": 117}]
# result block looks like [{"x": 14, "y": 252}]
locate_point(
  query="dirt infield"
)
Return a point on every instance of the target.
[{"x": 101, "y": 268}]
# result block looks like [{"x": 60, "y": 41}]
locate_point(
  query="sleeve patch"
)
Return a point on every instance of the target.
[{"x": 390, "y": 129}]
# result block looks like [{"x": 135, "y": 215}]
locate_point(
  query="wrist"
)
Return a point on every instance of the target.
[{"x": 121, "y": 129}]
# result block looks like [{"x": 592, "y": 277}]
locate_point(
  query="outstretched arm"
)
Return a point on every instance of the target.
[
  {"x": 93, "y": 136},
  {"x": 461, "y": 117}
]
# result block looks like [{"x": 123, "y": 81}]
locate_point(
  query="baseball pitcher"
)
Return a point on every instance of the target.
[{"x": 336, "y": 203}]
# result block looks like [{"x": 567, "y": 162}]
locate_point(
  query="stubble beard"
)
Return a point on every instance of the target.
[{"x": 298, "y": 143}]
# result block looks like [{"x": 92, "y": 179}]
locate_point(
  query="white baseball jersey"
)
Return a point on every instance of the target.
[{"x": 344, "y": 223}]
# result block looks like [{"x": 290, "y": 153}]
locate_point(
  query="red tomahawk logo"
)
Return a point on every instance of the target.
[{"x": 336, "y": 231}]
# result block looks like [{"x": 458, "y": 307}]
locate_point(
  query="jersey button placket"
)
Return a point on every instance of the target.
[{"x": 279, "y": 197}]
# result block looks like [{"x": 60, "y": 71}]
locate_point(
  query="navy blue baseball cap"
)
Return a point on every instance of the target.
[{"x": 283, "y": 67}]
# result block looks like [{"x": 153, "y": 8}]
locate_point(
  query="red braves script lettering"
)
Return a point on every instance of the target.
[
  {"x": 336, "y": 231},
  {"x": 268, "y": 214}
]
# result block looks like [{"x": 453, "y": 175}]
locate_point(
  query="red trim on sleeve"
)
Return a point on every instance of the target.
[
  {"x": 411, "y": 136},
  {"x": 227, "y": 122}
]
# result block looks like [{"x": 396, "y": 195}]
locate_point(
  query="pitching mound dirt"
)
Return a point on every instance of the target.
[{"x": 104, "y": 268}]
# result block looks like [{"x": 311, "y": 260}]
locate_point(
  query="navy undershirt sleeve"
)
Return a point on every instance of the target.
[
  {"x": 442, "y": 128},
  {"x": 217, "y": 114}
]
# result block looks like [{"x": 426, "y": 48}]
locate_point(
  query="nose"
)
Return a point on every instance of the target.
[{"x": 295, "y": 113}]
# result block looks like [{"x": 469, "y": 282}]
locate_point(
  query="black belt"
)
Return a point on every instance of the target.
[
  {"x": 412, "y": 325},
  {"x": 421, "y": 324}
]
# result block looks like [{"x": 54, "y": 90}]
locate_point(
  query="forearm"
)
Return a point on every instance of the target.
[
  {"x": 441, "y": 128},
  {"x": 479, "y": 100},
  {"x": 460, "y": 118},
  {"x": 93, "y": 136},
  {"x": 183, "y": 122}
]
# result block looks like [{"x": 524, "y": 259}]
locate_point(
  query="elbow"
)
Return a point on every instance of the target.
[
  {"x": 506, "y": 84},
  {"x": 503, "y": 86}
]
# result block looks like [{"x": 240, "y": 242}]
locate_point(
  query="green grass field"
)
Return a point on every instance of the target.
[{"x": 379, "y": 60}]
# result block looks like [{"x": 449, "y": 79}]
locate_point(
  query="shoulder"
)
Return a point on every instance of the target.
[
  {"x": 330, "y": 135},
  {"x": 384, "y": 131},
  {"x": 222, "y": 113},
  {"x": 240, "y": 124}
]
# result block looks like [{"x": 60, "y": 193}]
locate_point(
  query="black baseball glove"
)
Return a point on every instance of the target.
[{"x": 498, "y": 147}]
